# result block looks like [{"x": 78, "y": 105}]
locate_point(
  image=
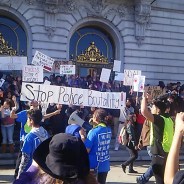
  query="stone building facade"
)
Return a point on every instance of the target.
[{"x": 147, "y": 35}]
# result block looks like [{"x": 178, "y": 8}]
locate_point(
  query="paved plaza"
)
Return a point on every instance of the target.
[{"x": 115, "y": 176}]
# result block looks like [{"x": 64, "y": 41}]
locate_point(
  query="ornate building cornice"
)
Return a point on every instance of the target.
[{"x": 142, "y": 19}]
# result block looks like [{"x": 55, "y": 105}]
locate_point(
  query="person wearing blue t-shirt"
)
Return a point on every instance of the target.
[
  {"x": 22, "y": 118},
  {"x": 33, "y": 139},
  {"x": 97, "y": 144}
]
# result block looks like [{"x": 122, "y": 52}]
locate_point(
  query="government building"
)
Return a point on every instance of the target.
[{"x": 146, "y": 35}]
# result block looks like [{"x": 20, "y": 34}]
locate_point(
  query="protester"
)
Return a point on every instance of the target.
[
  {"x": 161, "y": 135},
  {"x": 61, "y": 159},
  {"x": 76, "y": 130},
  {"x": 32, "y": 140},
  {"x": 144, "y": 141},
  {"x": 98, "y": 144},
  {"x": 57, "y": 123},
  {"x": 132, "y": 145},
  {"x": 21, "y": 117},
  {"x": 172, "y": 175},
  {"x": 7, "y": 126}
]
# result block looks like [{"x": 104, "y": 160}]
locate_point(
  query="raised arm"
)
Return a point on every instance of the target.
[
  {"x": 144, "y": 109},
  {"x": 172, "y": 163}
]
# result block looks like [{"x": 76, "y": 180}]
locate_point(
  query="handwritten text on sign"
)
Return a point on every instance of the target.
[
  {"x": 32, "y": 73},
  {"x": 68, "y": 95},
  {"x": 129, "y": 76},
  {"x": 41, "y": 59},
  {"x": 67, "y": 69}
]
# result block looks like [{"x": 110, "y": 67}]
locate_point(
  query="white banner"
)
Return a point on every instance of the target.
[
  {"x": 139, "y": 82},
  {"x": 12, "y": 63},
  {"x": 43, "y": 60},
  {"x": 75, "y": 96},
  {"x": 117, "y": 66},
  {"x": 129, "y": 76},
  {"x": 119, "y": 76},
  {"x": 32, "y": 73},
  {"x": 67, "y": 69},
  {"x": 105, "y": 75}
]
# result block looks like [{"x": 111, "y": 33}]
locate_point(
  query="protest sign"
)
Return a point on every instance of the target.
[
  {"x": 67, "y": 69},
  {"x": 74, "y": 96},
  {"x": 12, "y": 63},
  {"x": 32, "y": 73},
  {"x": 119, "y": 76},
  {"x": 56, "y": 65},
  {"x": 138, "y": 84},
  {"x": 1, "y": 82},
  {"x": 129, "y": 76},
  {"x": 47, "y": 82},
  {"x": 105, "y": 75},
  {"x": 155, "y": 91},
  {"x": 43, "y": 60},
  {"x": 117, "y": 66}
]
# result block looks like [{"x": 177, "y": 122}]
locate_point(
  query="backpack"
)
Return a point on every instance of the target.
[{"x": 123, "y": 136}]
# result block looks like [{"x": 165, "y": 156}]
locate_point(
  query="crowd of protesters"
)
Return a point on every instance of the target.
[{"x": 86, "y": 123}]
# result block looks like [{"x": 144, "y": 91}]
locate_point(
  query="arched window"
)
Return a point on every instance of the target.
[
  {"x": 101, "y": 42},
  {"x": 13, "y": 37},
  {"x": 82, "y": 38}
]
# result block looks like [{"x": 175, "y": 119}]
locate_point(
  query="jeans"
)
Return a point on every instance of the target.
[
  {"x": 158, "y": 165},
  {"x": 7, "y": 133},
  {"x": 149, "y": 172},
  {"x": 133, "y": 156}
]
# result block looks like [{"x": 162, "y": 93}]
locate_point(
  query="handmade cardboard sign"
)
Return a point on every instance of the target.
[
  {"x": 105, "y": 75},
  {"x": 67, "y": 69},
  {"x": 32, "y": 73},
  {"x": 12, "y": 63},
  {"x": 138, "y": 84},
  {"x": 43, "y": 60},
  {"x": 155, "y": 91},
  {"x": 117, "y": 66},
  {"x": 119, "y": 76},
  {"x": 129, "y": 76}
]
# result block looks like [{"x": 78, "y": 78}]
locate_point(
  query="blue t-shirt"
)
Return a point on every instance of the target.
[
  {"x": 98, "y": 141},
  {"x": 74, "y": 130},
  {"x": 22, "y": 118},
  {"x": 31, "y": 142}
]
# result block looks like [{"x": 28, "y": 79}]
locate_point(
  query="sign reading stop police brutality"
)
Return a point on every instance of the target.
[
  {"x": 32, "y": 73},
  {"x": 74, "y": 96},
  {"x": 129, "y": 76},
  {"x": 43, "y": 60},
  {"x": 67, "y": 69}
]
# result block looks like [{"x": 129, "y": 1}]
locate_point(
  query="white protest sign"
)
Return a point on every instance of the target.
[
  {"x": 32, "y": 73},
  {"x": 138, "y": 84},
  {"x": 1, "y": 82},
  {"x": 129, "y": 76},
  {"x": 47, "y": 82},
  {"x": 74, "y": 96},
  {"x": 117, "y": 66},
  {"x": 105, "y": 75},
  {"x": 67, "y": 69},
  {"x": 43, "y": 60},
  {"x": 12, "y": 63},
  {"x": 119, "y": 76}
]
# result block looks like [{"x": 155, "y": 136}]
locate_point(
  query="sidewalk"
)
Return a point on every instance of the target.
[{"x": 115, "y": 176}]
